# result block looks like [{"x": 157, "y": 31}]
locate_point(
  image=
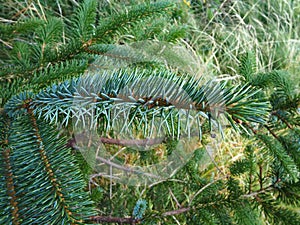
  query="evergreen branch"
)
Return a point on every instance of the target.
[
  {"x": 107, "y": 28},
  {"x": 289, "y": 194},
  {"x": 240, "y": 206},
  {"x": 42, "y": 168},
  {"x": 247, "y": 66},
  {"x": 275, "y": 213},
  {"x": 141, "y": 100},
  {"x": 271, "y": 132},
  {"x": 245, "y": 214},
  {"x": 84, "y": 20},
  {"x": 11, "y": 187},
  {"x": 42, "y": 78},
  {"x": 122, "y": 142},
  {"x": 278, "y": 151},
  {"x": 203, "y": 188},
  {"x": 10, "y": 214},
  {"x": 108, "y": 50},
  {"x": 21, "y": 27},
  {"x": 117, "y": 23},
  {"x": 49, "y": 170},
  {"x": 261, "y": 191},
  {"x": 130, "y": 220}
]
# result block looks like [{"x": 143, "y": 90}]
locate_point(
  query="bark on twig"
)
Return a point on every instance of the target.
[{"x": 119, "y": 220}]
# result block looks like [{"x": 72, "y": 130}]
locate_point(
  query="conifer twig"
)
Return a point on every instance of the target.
[
  {"x": 176, "y": 212},
  {"x": 126, "y": 168},
  {"x": 283, "y": 119},
  {"x": 132, "y": 142},
  {"x": 119, "y": 220},
  {"x": 202, "y": 189}
]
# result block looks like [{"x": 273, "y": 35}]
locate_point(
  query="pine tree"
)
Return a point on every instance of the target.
[{"x": 58, "y": 71}]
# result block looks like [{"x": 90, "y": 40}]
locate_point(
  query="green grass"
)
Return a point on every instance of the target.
[{"x": 269, "y": 29}]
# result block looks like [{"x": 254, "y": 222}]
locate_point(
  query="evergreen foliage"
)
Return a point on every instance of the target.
[{"x": 51, "y": 78}]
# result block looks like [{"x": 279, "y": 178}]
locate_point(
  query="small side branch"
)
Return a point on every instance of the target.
[
  {"x": 276, "y": 113},
  {"x": 119, "y": 220},
  {"x": 202, "y": 189},
  {"x": 121, "y": 142},
  {"x": 255, "y": 193},
  {"x": 177, "y": 211},
  {"x": 126, "y": 168},
  {"x": 272, "y": 132},
  {"x": 134, "y": 142}
]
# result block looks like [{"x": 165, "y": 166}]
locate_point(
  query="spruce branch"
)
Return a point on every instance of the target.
[
  {"x": 46, "y": 50},
  {"x": 9, "y": 199},
  {"x": 117, "y": 23},
  {"x": 105, "y": 93},
  {"x": 203, "y": 188},
  {"x": 41, "y": 167}
]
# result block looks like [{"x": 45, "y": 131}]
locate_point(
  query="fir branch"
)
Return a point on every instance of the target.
[
  {"x": 104, "y": 93},
  {"x": 247, "y": 66},
  {"x": 10, "y": 214},
  {"x": 11, "y": 187},
  {"x": 42, "y": 78},
  {"x": 278, "y": 151},
  {"x": 271, "y": 132},
  {"x": 203, "y": 188},
  {"x": 277, "y": 214},
  {"x": 116, "y": 23},
  {"x": 84, "y": 20},
  {"x": 107, "y": 28},
  {"x": 42, "y": 165},
  {"x": 49, "y": 170}
]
